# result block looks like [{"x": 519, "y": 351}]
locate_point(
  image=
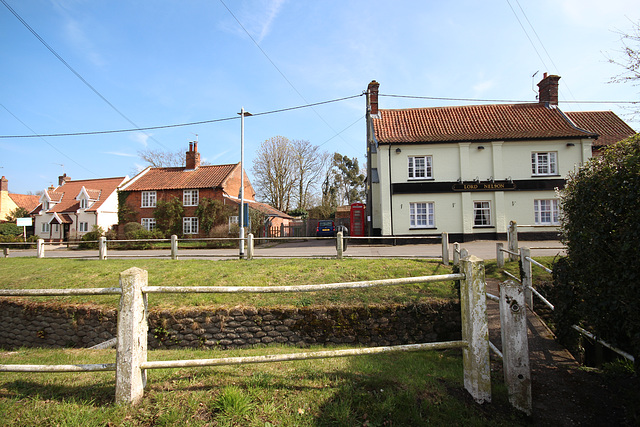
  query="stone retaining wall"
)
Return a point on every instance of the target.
[{"x": 28, "y": 324}]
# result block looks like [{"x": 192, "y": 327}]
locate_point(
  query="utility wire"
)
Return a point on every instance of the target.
[
  {"x": 51, "y": 145},
  {"x": 527, "y": 34},
  {"x": 507, "y": 101},
  {"x": 180, "y": 124},
  {"x": 82, "y": 79},
  {"x": 278, "y": 69}
]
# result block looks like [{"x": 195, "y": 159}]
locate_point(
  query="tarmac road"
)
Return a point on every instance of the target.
[{"x": 485, "y": 249}]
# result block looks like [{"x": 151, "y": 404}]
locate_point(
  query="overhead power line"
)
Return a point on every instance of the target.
[
  {"x": 102, "y": 132},
  {"x": 82, "y": 79},
  {"x": 505, "y": 101}
]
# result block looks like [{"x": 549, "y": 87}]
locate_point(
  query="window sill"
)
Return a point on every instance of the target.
[
  {"x": 421, "y": 179},
  {"x": 555, "y": 175},
  {"x": 423, "y": 228},
  {"x": 484, "y": 226}
]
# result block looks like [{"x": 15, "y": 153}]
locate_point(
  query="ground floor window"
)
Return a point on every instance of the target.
[
  {"x": 190, "y": 225},
  {"x": 45, "y": 227},
  {"x": 83, "y": 227},
  {"x": 546, "y": 212},
  {"x": 56, "y": 228},
  {"x": 149, "y": 224},
  {"x": 481, "y": 213},
  {"x": 421, "y": 215}
]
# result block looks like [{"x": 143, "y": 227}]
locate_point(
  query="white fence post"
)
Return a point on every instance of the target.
[
  {"x": 499, "y": 255},
  {"x": 456, "y": 253},
  {"x": 445, "y": 248},
  {"x": 102, "y": 248},
  {"x": 131, "y": 348},
  {"x": 250, "y": 246},
  {"x": 527, "y": 276},
  {"x": 475, "y": 329},
  {"x": 515, "y": 345},
  {"x": 174, "y": 246},
  {"x": 339, "y": 244},
  {"x": 40, "y": 248},
  {"x": 5, "y": 250},
  {"x": 512, "y": 236}
]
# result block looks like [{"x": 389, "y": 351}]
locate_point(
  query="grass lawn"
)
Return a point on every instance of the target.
[
  {"x": 25, "y": 273},
  {"x": 408, "y": 389}
]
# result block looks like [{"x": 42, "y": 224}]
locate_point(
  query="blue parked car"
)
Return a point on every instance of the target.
[{"x": 326, "y": 228}]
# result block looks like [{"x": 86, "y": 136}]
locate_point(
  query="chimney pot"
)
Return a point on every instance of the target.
[
  {"x": 193, "y": 157},
  {"x": 4, "y": 184},
  {"x": 548, "y": 90},
  {"x": 63, "y": 178}
]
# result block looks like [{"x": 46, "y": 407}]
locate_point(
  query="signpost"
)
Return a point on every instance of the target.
[{"x": 24, "y": 222}]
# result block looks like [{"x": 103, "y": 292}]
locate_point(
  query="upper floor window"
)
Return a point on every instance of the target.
[
  {"x": 421, "y": 215},
  {"x": 420, "y": 167},
  {"x": 148, "y": 199},
  {"x": 481, "y": 213},
  {"x": 45, "y": 205},
  {"x": 149, "y": 223},
  {"x": 544, "y": 163},
  {"x": 546, "y": 212},
  {"x": 190, "y": 225},
  {"x": 83, "y": 203},
  {"x": 190, "y": 198}
]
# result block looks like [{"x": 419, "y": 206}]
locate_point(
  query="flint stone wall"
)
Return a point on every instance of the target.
[{"x": 30, "y": 324}]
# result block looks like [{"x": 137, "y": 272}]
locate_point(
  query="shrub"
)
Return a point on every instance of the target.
[
  {"x": 10, "y": 229},
  {"x": 135, "y": 231},
  {"x": 601, "y": 228},
  {"x": 88, "y": 240}
]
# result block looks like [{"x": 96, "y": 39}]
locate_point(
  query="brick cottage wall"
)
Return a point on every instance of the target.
[{"x": 26, "y": 324}]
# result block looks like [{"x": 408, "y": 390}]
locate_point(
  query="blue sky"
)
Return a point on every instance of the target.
[{"x": 171, "y": 62}]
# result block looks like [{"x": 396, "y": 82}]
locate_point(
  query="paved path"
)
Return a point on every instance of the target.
[{"x": 485, "y": 249}]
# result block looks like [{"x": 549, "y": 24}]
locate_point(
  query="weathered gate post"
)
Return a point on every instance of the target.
[
  {"x": 102, "y": 248},
  {"x": 527, "y": 276},
  {"x": 499, "y": 255},
  {"x": 339, "y": 244},
  {"x": 475, "y": 329},
  {"x": 250, "y": 246},
  {"x": 5, "y": 250},
  {"x": 40, "y": 248},
  {"x": 174, "y": 246},
  {"x": 512, "y": 236},
  {"x": 131, "y": 347},
  {"x": 456, "y": 253},
  {"x": 515, "y": 345},
  {"x": 445, "y": 248}
]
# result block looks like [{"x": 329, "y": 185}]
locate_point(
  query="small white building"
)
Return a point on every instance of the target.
[
  {"x": 74, "y": 208},
  {"x": 470, "y": 170}
]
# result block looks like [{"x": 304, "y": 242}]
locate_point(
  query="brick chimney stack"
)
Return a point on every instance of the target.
[
  {"x": 373, "y": 97},
  {"x": 63, "y": 178},
  {"x": 193, "y": 157},
  {"x": 548, "y": 90},
  {"x": 4, "y": 184}
]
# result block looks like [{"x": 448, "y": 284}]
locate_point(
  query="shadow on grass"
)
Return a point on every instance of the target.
[{"x": 96, "y": 396}]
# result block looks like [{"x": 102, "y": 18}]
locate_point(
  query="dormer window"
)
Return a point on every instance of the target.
[
  {"x": 83, "y": 203},
  {"x": 45, "y": 205}
]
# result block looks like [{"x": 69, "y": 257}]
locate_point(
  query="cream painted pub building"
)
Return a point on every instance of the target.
[{"x": 470, "y": 170}]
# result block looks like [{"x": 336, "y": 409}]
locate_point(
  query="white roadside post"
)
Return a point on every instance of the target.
[
  {"x": 475, "y": 329},
  {"x": 250, "y": 246},
  {"x": 445, "y": 248},
  {"x": 174, "y": 246},
  {"x": 499, "y": 255},
  {"x": 40, "y": 248},
  {"x": 131, "y": 347},
  {"x": 102, "y": 248},
  {"x": 339, "y": 244},
  {"x": 527, "y": 276},
  {"x": 456, "y": 253},
  {"x": 515, "y": 345},
  {"x": 512, "y": 236}
]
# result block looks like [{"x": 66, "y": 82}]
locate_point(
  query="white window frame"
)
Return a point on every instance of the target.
[
  {"x": 83, "y": 227},
  {"x": 56, "y": 228},
  {"x": 190, "y": 225},
  {"x": 190, "y": 197},
  {"x": 148, "y": 224},
  {"x": 422, "y": 215},
  {"x": 46, "y": 227},
  {"x": 544, "y": 163},
  {"x": 83, "y": 203},
  {"x": 546, "y": 212},
  {"x": 420, "y": 171},
  {"x": 482, "y": 208},
  {"x": 149, "y": 199}
]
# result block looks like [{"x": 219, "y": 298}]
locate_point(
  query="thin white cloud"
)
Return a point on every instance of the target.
[
  {"x": 117, "y": 153},
  {"x": 218, "y": 155},
  {"x": 271, "y": 12},
  {"x": 141, "y": 138},
  {"x": 257, "y": 17}
]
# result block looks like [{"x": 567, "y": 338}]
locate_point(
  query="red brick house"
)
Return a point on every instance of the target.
[{"x": 190, "y": 184}]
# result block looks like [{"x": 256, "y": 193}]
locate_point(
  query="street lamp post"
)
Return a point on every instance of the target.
[{"x": 241, "y": 222}]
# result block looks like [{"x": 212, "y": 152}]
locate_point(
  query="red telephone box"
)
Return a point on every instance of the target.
[{"x": 357, "y": 220}]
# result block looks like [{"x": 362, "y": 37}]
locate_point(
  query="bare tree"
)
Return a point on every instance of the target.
[
  {"x": 163, "y": 159},
  {"x": 629, "y": 59},
  {"x": 309, "y": 163},
  {"x": 274, "y": 172}
]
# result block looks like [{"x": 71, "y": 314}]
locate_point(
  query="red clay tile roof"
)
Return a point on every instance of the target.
[
  {"x": 474, "y": 123},
  {"x": 181, "y": 178},
  {"x": 68, "y": 191},
  {"x": 25, "y": 201},
  {"x": 606, "y": 124}
]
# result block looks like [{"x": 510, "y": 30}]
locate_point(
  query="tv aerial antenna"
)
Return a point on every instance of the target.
[{"x": 532, "y": 88}]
